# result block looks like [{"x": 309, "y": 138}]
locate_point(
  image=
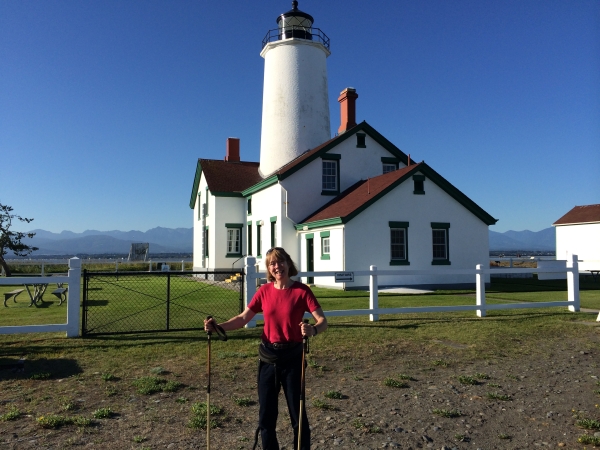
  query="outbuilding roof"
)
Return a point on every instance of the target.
[
  {"x": 580, "y": 214},
  {"x": 225, "y": 178}
]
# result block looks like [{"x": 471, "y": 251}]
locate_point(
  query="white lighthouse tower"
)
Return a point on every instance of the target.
[{"x": 295, "y": 114}]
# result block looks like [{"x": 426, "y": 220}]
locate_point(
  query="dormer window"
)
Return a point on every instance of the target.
[
  {"x": 361, "y": 140},
  {"x": 419, "y": 184},
  {"x": 330, "y": 174},
  {"x": 389, "y": 164}
]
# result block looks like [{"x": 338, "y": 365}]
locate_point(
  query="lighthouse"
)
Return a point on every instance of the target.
[{"x": 295, "y": 116}]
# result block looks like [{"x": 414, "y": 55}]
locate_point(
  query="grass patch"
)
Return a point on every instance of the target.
[
  {"x": 468, "y": 380},
  {"x": 588, "y": 440},
  {"x": 498, "y": 396},
  {"x": 152, "y": 385},
  {"x": 318, "y": 403},
  {"x": 243, "y": 401},
  {"x": 103, "y": 413},
  {"x": 198, "y": 419},
  {"x": 367, "y": 428},
  {"x": 56, "y": 421},
  {"x": 588, "y": 424},
  {"x": 334, "y": 395},
  {"x": 392, "y": 382},
  {"x": 449, "y": 413},
  {"x": 12, "y": 414}
]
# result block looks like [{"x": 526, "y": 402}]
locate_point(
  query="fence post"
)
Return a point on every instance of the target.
[
  {"x": 480, "y": 290},
  {"x": 250, "y": 287},
  {"x": 182, "y": 265},
  {"x": 573, "y": 283},
  {"x": 73, "y": 297},
  {"x": 373, "y": 294}
]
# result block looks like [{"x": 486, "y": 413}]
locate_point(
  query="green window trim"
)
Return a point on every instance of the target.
[
  {"x": 399, "y": 225},
  {"x": 273, "y": 219},
  {"x": 324, "y": 234},
  {"x": 234, "y": 225},
  {"x": 310, "y": 235},
  {"x": 249, "y": 206},
  {"x": 419, "y": 177},
  {"x": 205, "y": 239},
  {"x": 325, "y": 257},
  {"x": 207, "y": 195},
  {"x": 388, "y": 160},
  {"x": 249, "y": 240},
  {"x": 419, "y": 184},
  {"x": 273, "y": 231},
  {"x": 331, "y": 156},
  {"x": 442, "y": 226},
  {"x": 258, "y": 240}
]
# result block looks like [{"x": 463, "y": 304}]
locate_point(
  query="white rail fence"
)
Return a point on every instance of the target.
[
  {"x": 73, "y": 278},
  {"x": 479, "y": 273}
]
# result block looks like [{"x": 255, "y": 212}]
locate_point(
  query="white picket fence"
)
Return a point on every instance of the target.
[
  {"x": 73, "y": 278},
  {"x": 479, "y": 273}
]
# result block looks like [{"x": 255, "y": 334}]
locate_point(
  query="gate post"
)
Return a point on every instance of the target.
[
  {"x": 250, "y": 284},
  {"x": 573, "y": 283},
  {"x": 373, "y": 294},
  {"x": 73, "y": 295},
  {"x": 480, "y": 290}
]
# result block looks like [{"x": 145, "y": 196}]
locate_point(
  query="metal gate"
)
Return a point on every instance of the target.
[{"x": 150, "y": 302}]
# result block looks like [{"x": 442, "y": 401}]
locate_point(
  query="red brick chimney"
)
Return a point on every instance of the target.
[
  {"x": 233, "y": 150},
  {"x": 347, "y": 101}
]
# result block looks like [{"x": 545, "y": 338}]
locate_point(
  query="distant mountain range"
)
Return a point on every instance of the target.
[
  {"x": 544, "y": 240},
  {"x": 161, "y": 240},
  {"x": 179, "y": 240}
]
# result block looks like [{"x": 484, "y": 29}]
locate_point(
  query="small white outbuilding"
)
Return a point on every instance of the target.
[{"x": 578, "y": 233}]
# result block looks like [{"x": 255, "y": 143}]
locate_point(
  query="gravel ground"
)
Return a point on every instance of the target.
[{"x": 529, "y": 401}]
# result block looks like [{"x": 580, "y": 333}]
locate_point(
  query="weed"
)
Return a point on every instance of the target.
[
  {"x": 152, "y": 385},
  {"x": 81, "y": 421},
  {"x": 103, "y": 413},
  {"x": 461, "y": 437},
  {"x": 406, "y": 377},
  {"x": 465, "y": 379},
  {"x": 139, "y": 439},
  {"x": 243, "y": 401},
  {"x": 108, "y": 377},
  {"x": 450, "y": 413},
  {"x": 318, "y": 403},
  {"x": 198, "y": 420},
  {"x": 67, "y": 404},
  {"x": 181, "y": 400},
  {"x": 498, "y": 396},
  {"x": 225, "y": 355},
  {"x": 111, "y": 390},
  {"x": 12, "y": 414},
  {"x": 503, "y": 436},
  {"x": 482, "y": 376},
  {"x": 40, "y": 376},
  {"x": 597, "y": 391},
  {"x": 512, "y": 377},
  {"x": 588, "y": 424},
  {"x": 589, "y": 440},
  {"x": 53, "y": 421},
  {"x": 335, "y": 395},
  {"x": 158, "y": 371},
  {"x": 347, "y": 369},
  {"x": 440, "y": 363},
  {"x": 391, "y": 382},
  {"x": 494, "y": 385},
  {"x": 360, "y": 425}
]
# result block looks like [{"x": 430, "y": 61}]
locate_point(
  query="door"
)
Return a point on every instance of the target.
[{"x": 310, "y": 259}]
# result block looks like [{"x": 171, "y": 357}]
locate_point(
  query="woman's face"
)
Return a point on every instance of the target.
[{"x": 279, "y": 269}]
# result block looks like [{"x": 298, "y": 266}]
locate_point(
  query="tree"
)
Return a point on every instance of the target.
[{"x": 11, "y": 240}]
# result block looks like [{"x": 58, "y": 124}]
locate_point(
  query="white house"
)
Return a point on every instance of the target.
[
  {"x": 578, "y": 233},
  {"x": 335, "y": 204}
]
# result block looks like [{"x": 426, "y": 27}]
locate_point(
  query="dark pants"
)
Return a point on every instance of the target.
[{"x": 286, "y": 373}]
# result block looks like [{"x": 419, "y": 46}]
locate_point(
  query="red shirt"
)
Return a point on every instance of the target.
[{"x": 283, "y": 310}]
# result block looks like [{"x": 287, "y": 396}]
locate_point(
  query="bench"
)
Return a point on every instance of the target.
[
  {"x": 61, "y": 293},
  {"x": 12, "y": 294}
]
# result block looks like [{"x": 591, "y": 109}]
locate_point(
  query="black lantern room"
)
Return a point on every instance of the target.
[{"x": 295, "y": 24}]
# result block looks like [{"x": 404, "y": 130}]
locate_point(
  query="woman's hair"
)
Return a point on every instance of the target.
[{"x": 279, "y": 254}]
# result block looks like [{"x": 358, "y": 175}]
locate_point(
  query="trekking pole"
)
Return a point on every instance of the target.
[
  {"x": 302, "y": 387},
  {"x": 208, "y": 334},
  {"x": 223, "y": 337}
]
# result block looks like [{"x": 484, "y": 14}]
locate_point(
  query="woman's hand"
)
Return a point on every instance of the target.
[
  {"x": 307, "y": 329},
  {"x": 210, "y": 325}
]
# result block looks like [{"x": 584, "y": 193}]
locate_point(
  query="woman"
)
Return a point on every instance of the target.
[{"x": 283, "y": 303}]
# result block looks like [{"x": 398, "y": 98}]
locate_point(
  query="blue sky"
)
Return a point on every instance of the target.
[{"x": 105, "y": 106}]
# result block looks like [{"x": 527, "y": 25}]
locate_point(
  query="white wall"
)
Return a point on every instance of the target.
[
  {"x": 582, "y": 240},
  {"x": 368, "y": 235},
  {"x": 199, "y": 222},
  {"x": 336, "y": 261},
  {"x": 305, "y": 186},
  {"x": 225, "y": 210}
]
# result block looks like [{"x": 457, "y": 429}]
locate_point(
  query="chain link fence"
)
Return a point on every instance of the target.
[{"x": 144, "y": 302}]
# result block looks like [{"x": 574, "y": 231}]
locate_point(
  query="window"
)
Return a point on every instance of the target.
[
  {"x": 331, "y": 174},
  {"x": 389, "y": 164},
  {"x": 249, "y": 206},
  {"x": 419, "y": 187},
  {"x": 325, "y": 245},
  {"x": 440, "y": 245},
  {"x": 206, "y": 207},
  {"x": 234, "y": 239},
  {"x": 258, "y": 240},
  {"x": 273, "y": 231},
  {"x": 205, "y": 242},
  {"x": 249, "y": 250},
  {"x": 398, "y": 243},
  {"x": 388, "y": 167},
  {"x": 360, "y": 140}
]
